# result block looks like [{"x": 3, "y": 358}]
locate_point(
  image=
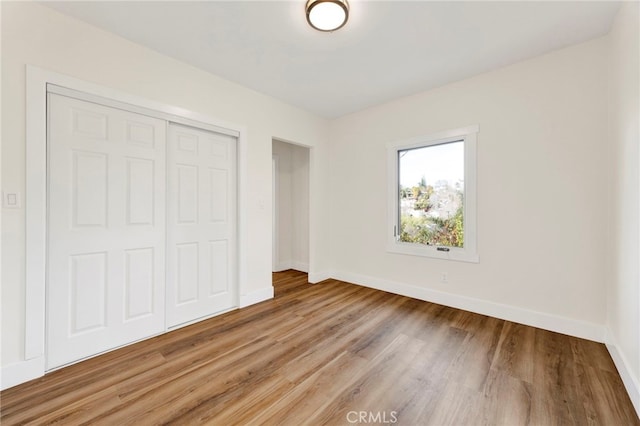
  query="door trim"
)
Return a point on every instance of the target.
[
  {"x": 37, "y": 80},
  {"x": 139, "y": 109},
  {"x": 275, "y": 197}
]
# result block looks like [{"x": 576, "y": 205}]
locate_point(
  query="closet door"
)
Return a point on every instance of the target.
[
  {"x": 106, "y": 192},
  {"x": 201, "y": 278}
]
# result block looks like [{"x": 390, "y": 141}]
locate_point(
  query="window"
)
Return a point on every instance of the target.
[{"x": 432, "y": 195}]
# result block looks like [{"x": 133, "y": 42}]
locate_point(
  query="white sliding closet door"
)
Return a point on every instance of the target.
[
  {"x": 106, "y": 192},
  {"x": 201, "y": 218}
]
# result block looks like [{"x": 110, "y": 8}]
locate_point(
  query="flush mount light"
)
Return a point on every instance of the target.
[{"x": 327, "y": 15}]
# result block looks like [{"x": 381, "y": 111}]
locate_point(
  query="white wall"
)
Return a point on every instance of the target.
[
  {"x": 293, "y": 206},
  {"x": 300, "y": 206},
  {"x": 542, "y": 184},
  {"x": 623, "y": 283},
  {"x": 284, "y": 231},
  {"x": 34, "y": 34}
]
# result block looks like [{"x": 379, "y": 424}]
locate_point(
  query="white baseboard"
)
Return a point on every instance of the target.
[
  {"x": 21, "y": 372},
  {"x": 256, "y": 296},
  {"x": 631, "y": 383},
  {"x": 300, "y": 266},
  {"x": 292, "y": 264},
  {"x": 283, "y": 266},
  {"x": 316, "y": 277},
  {"x": 542, "y": 320}
]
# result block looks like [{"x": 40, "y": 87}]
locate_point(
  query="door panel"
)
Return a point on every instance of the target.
[
  {"x": 139, "y": 283},
  {"x": 219, "y": 252},
  {"x": 187, "y": 194},
  {"x": 106, "y": 256},
  {"x": 88, "y": 290},
  {"x": 202, "y": 229},
  {"x": 140, "y": 191},
  {"x": 218, "y": 198},
  {"x": 89, "y": 189},
  {"x": 187, "y": 273}
]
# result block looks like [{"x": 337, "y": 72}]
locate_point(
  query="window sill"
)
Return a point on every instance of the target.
[{"x": 455, "y": 254}]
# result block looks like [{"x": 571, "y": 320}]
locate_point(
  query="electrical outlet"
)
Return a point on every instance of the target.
[
  {"x": 11, "y": 200},
  {"x": 444, "y": 277}
]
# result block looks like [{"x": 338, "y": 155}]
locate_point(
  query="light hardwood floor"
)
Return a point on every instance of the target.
[{"x": 336, "y": 353}]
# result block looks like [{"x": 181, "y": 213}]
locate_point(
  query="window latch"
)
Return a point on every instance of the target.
[{"x": 443, "y": 249}]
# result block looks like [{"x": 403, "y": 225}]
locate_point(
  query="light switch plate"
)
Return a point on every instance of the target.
[{"x": 11, "y": 200}]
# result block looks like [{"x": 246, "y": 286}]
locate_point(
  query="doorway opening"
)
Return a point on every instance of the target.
[{"x": 290, "y": 180}]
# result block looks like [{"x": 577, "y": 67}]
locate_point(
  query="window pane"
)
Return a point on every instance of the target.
[{"x": 432, "y": 194}]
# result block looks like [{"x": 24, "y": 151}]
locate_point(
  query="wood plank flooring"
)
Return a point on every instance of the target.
[{"x": 335, "y": 354}]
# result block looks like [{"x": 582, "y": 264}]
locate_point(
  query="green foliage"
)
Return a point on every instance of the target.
[
  {"x": 450, "y": 232},
  {"x": 415, "y": 192},
  {"x": 423, "y": 201},
  {"x": 428, "y": 230}
]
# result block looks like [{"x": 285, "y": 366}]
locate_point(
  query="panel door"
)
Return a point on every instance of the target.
[
  {"x": 201, "y": 278},
  {"x": 106, "y": 255}
]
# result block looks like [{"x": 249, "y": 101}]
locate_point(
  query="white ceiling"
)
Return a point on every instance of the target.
[{"x": 388, "y": 49}]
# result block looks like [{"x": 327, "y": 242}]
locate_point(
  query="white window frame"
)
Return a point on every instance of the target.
[{"x": 469, "y": 252}]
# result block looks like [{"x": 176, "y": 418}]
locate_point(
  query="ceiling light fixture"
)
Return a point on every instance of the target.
[{"x": 327, "y": 15}]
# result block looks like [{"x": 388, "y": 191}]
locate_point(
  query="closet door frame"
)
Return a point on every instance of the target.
[{"x": 39, "y": 83}]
